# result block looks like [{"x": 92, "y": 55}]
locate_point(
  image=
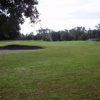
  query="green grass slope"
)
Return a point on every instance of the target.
[{"x": 61, "y": 71}]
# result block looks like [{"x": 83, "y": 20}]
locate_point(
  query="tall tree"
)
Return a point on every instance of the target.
[
  {"x": 98, "y": 32},
  {"x": 12, "y": 14},
  {"x": 98, "y": 27}
]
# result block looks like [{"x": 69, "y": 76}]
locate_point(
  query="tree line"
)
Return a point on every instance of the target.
[{"x": 77, "y": 33}]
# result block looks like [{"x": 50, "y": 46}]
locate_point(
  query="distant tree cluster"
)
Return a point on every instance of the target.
[{"x": 78, "y": 33}]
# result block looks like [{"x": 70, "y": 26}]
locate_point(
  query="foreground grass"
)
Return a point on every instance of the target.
[{"x": 62, "y": 71}]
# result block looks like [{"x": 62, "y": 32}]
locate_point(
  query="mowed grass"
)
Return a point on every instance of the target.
[{"x": 60, "y": 71}]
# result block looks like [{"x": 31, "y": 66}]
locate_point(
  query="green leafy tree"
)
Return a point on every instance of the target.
[
  {"x": 77, "y": 32},
  {"x": 12, "y": 14}
]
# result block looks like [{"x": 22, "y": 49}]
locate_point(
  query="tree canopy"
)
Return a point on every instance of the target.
[
  {"x": 12, "y": 14},
  {"x": 18, "y": 8}
]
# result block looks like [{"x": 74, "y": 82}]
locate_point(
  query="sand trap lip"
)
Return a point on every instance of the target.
[
  {"x": 18, "y": 48},
  {"x": 15, "y": 51}
]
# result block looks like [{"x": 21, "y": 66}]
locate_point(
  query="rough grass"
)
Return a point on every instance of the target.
[{"x": 61, "y": 71}]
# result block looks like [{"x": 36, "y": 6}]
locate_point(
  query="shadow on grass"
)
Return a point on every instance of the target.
[{"x": 20, "y": 47}]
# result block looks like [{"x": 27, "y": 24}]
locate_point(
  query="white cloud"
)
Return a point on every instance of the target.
[{"x": 66, "y": 14}]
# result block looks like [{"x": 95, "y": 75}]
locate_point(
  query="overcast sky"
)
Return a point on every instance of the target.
[{"x": 66, "y": 14}]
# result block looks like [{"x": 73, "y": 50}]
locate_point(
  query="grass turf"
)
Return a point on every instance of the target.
[{"x": 61, "y": 71}]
